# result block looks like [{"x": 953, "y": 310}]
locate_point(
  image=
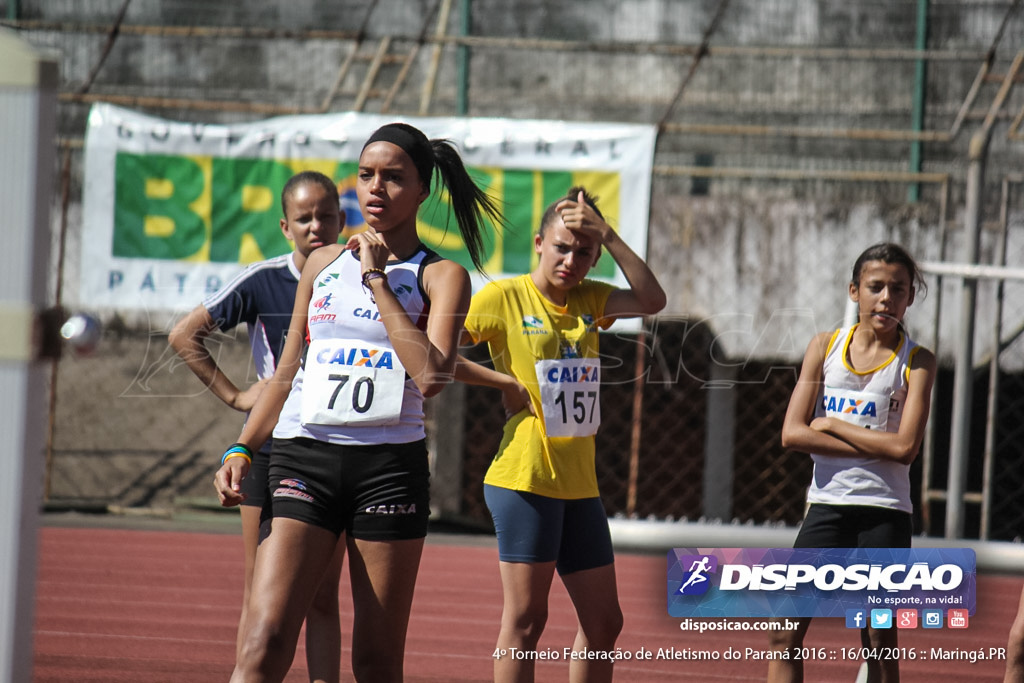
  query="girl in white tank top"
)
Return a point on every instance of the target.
[
  {"x": 859, "y": 409},
  {"x": 374, "y": 353}
]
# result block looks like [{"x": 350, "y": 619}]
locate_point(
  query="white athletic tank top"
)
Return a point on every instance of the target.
[
  {"x": 351, "y": 388},
  {"x": 874, "y": 400}
]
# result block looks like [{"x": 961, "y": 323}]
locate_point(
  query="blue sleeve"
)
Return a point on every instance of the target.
[{"x": 233, "y": 304}]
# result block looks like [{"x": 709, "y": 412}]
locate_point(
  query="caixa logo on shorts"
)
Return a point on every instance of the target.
[{"x": 392, "y": 509}]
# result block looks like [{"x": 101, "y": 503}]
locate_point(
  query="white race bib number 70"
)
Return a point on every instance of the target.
[
  {"x": 570, "y": 394},
  {"x": 347, "y": 382}
]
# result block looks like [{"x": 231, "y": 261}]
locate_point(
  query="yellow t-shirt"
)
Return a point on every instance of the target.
[{"x": 521, "y": 327}]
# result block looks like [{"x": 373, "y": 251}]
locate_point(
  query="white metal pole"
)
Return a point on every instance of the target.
[
  {"x": 28, "y": 99},
  {"x": 963, "y": 372}
]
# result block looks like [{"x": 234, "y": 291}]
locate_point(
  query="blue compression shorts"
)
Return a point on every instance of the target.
[{"x": 531, "y": 528}]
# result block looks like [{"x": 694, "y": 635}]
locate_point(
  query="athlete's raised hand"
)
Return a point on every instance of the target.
[
  {"x": 579, "y": 216},
  {"x": 373, "y": 253}
]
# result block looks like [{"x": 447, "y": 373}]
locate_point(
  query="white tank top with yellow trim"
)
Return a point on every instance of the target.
[{"x": 873, "y": 399}]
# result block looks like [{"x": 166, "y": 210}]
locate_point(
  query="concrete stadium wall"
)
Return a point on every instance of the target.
[{"x": 740, "y": 246}]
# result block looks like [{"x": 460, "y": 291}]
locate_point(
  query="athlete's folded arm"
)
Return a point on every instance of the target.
[
  {"x": 830, "y": 436},
  {"x": 904, "y": 445},
  {"x": 797, "y": 433}
]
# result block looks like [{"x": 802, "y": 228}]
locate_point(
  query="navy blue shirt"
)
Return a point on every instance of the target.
[{"x": 261, "y": 296}]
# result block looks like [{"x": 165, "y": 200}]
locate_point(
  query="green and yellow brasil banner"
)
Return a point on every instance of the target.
[
  {"x": 227, "y": 210},
  {"x": 173, "y": 210}
]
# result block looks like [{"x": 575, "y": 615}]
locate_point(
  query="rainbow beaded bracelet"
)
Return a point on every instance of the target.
[{"x": 237, "y": 450}]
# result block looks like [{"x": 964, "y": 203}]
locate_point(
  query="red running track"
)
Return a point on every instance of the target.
[{"x": 162, "y": 606}]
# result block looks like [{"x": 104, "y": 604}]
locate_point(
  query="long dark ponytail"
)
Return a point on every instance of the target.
[{"x": 470, "y": 204}]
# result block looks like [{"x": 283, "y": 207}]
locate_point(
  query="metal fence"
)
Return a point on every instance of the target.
[
  {"x": 132, "y": 428},
  {"x": 995, "y": 402},
  {"x": 777, "y": 120}
]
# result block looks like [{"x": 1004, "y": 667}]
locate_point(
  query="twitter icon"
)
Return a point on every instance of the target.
[{"x": 881, "y": 618}]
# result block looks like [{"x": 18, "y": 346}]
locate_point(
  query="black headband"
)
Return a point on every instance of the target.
[{"x": 413, "y": 142}]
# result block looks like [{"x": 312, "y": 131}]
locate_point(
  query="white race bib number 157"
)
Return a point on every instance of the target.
[
  {"x": 570, "y": 394},
  {"x": 347, "y": 382}
]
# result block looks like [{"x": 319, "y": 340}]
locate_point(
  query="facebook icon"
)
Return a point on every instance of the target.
[{"x": 856, "y": 618}]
